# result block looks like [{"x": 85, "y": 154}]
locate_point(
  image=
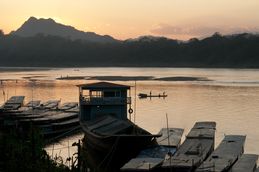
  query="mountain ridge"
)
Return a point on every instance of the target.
[{"x": 34, "y": 26}]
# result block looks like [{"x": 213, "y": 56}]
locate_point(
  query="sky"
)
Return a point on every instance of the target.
[{"x": 123, "y": 19}]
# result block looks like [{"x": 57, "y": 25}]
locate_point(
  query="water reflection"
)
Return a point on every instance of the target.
[{"x": 231, "y": 99}]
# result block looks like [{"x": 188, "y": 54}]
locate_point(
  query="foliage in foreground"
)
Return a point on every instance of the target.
[{"x": 26, "y": 153}]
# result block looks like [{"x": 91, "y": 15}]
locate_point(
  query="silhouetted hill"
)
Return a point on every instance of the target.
[
  {"x": 233, "y": 51},
  {"x": 34, "y": 26}
]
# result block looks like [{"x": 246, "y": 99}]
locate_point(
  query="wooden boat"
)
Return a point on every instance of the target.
[
  {"x": 33, "y": 103},
  {"x": 198, "y": 145},
  {"x": 110, "y": 139},
  {"x": 49, "y": 117},
  {"x": 247, "y": 163},
  {"x": 14, "y": 103},
  {"x": 143, "y": 95},
  {"x": 55, "y": 128},
  {"x": 110, "y": 142},
  {"x": 68, "y": 106},
  {"x": 152, "y": 158},
  {"x": 51, "y": 123},
  {"x": 50, "y": 104},
  {"x": 225, "y": 155}
]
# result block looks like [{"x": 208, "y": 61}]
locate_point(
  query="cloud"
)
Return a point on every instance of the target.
[{"x": 198, "y": 31}]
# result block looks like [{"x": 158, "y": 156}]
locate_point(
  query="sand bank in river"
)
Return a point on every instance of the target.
[{"x": 133, "y": 78}]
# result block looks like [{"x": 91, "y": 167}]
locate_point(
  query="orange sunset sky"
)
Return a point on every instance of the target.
[{"x": 122, "y": 19}]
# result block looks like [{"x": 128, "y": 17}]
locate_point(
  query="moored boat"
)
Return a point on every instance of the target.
[
  {"x": 110, "y": 138},
  {"x": 68, "y": 106},
  {"x": 143, "y": 95},
  {"x": 198, "y": 145},
  {"x": 225, "y": 155},
  {"x": 247, "y": 163},
  {"x": 151, "y": 159},
  {"x": 12, "y": 104}
]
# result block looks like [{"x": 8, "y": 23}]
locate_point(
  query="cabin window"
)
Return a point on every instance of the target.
[
  {"x": 112, "y": 94},
  {"x": 109, "y": 94},
  {"x": 96, "y": 93}
]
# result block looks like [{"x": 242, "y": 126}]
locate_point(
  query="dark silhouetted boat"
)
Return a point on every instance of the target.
[
  {"x": 110, "y": 139},
  {"x": 143, "y": 95}
]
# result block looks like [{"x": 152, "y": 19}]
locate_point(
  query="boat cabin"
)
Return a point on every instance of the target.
[{"x": 103, "y": 98}]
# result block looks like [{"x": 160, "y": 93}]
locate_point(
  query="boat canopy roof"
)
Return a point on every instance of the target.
[
  {"x": 102, "y": 85},
  {"x": 107, "y": 125}
]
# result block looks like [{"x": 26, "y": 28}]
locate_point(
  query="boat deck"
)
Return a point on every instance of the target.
[
  {"x": 15, "y": 100},
  {"x": 50, "y": 104},
  {"x": 151, "y": 158},
  {"x": 247, "y": 163},
  {"x": 174, "y": 138},
  {"x": 225, "y": 155},
  {"x": 68, "y": 106},
  {"x": 13, "y": 103},
  {"x": 33, "y": 103},
  {"x": 202, "y": 130},
  {"x": 106, "y": 125},
  {"x": 199, "y": 143}
]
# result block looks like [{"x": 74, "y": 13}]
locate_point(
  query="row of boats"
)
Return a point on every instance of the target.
[
  {"x": 113, "y": 143},
  {"x": 196, "y": 153},
  {"x": 109, "y": 143},
  {"x": 50, "y": 117}
]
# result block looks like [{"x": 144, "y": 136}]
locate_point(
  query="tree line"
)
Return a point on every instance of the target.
[{"x": 233, "y": 51}]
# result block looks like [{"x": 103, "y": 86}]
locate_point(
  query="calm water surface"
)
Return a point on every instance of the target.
[{"x": 231, "y": 98}]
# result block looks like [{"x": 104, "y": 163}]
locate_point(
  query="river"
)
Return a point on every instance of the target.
[{"x": 229, "y": 97}]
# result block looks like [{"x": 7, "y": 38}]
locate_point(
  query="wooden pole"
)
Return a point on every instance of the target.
[
  {"x": 135, "y": 104},
  {"x": 167, "y": 130}
]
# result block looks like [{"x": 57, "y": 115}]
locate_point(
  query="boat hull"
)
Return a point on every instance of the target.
[{"x": 110, "y": 153}]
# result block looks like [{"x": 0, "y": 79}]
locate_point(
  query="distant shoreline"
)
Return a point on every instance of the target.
[
  {"x": 18, "y": 69},
  {"x": 132, "y": 78},
  {"x": 44, "y": 68}
]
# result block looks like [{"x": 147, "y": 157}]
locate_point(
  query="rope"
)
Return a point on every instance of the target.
[
  {"x": 110, "y": 153},
  {"x": 113, "y": 151}
]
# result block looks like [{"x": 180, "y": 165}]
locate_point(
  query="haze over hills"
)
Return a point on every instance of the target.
[
  {"x": 52, "y": 48},
  {"x": 35, "y": 26}
]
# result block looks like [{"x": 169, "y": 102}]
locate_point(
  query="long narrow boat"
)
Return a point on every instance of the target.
[
  {"x": 33, "y": 103},
  {"x": 143, "y": 95},
  {"x": 152, "y": 158},
  {"x": 225, "y": 155},
  {"x": 110, "y": 139},
  {"x": 13, "y": 103},
  {"x": 53, "y": 129},
  {"x": 247, "y": 163},
  {"x": 110, "y": 142},
  {"x": 68, "y": 106},
  {"x": 50, "y": 117},
  {"x": 50, "y": 104},
  {"x": 198, "y": 145}
]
